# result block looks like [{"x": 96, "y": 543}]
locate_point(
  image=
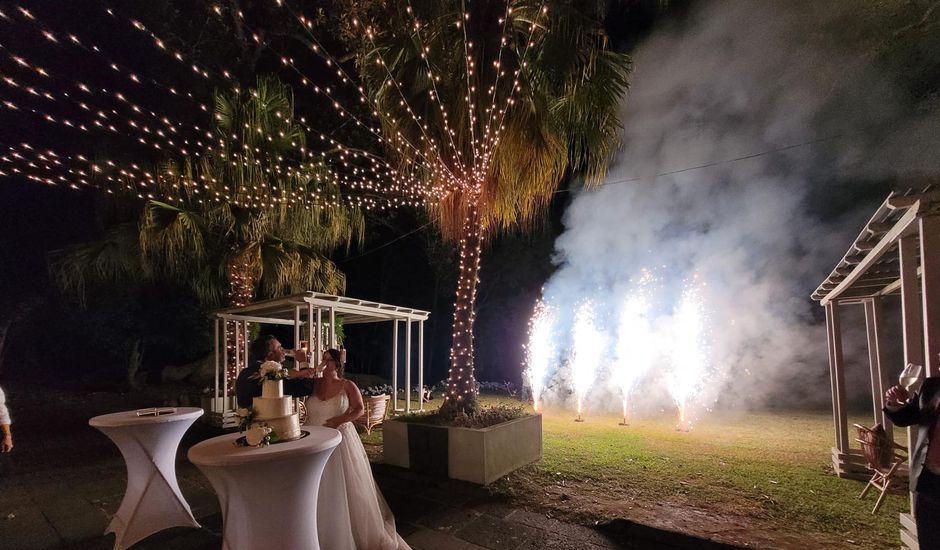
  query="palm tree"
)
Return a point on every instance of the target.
[
  {"x": 262, "y": 245},
  {"x": 251, "y": 243},
  {"x": 508, "y": 100}
]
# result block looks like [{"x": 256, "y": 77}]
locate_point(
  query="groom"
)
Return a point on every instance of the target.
[
  {"x": 923, "y": 410},
  {"x": 299, "y": 383}
]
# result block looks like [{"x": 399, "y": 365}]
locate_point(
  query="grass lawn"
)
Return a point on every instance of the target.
[{"x": 761, "y": 479}]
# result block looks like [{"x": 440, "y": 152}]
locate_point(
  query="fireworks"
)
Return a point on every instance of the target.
[
  {"x": 635, "y": 347},
  {"x": 689, "y": 357},
  {"x": 587, "y": 353},
  {"x": 539, "y": 351},
  {"x": 648, "y": 333}
]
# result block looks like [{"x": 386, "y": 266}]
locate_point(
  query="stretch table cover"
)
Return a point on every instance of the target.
[
  {"x": 268, "y": 495},
  {"x": 152, "y": 501}
]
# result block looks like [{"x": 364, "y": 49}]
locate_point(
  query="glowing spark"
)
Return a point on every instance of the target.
[
  {"x": 539, "y": 351},
  {"x": 689, "y": 358},
  {"x": 635, "y": 346},
  {"x": 586, "y": 356}
]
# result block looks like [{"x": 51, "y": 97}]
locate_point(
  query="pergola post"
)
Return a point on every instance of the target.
[
  {"x": 333, "y": 328},
  {"x": 395, "y": 365},
  {"x": 225, "y": 363},
  {"x": 421, "y": 365},
  {"x": 930, "y": 291},
  {"x": 247, "y": 345},
  {"x": 837, "y": 376},
  {"x": 311, "y": 345},
  {"x": 238, "y": 349},
  {"x": 297, "y": 360},
  {"x": 215, "y": 394},
  {"x": 318, "y": 331},
  {"x": 911, "y": 318},
  {"x": 874, "y": 323},
  {"x": 408, "y": 366}
]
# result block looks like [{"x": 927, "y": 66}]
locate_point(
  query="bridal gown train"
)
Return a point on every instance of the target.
[{"x": 351, "y": 512}]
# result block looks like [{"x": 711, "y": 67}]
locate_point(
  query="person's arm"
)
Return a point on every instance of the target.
[
  {"x": 5, "y": 423},
  {"x": 355, "y": 410}
]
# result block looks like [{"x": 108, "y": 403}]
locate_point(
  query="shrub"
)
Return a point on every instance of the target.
[
  {"x": 489, "y": 416},
  {"x": 381, "y": 389}
]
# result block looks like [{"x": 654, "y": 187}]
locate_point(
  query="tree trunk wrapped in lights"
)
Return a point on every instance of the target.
[{"x": 461, "y": 387}]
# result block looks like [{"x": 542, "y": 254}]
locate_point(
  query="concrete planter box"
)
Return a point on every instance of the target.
[{"x": 476, "y": 455}]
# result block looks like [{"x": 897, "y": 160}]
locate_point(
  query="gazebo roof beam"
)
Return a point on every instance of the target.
[
  {"x": 869, "y": 260},
  {"x": 898, "y": 202},
  {"x": 255, "y": 319},
  {"x": 879, "y": 227}
]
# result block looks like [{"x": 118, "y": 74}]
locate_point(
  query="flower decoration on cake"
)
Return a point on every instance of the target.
[{"x": 271, "y": 370}]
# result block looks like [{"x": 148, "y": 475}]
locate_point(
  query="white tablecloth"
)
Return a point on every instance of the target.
[
  {"x": 152, "y": 501},
  {"x": 268, "y": 495}
]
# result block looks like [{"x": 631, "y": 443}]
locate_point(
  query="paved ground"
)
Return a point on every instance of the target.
[
  {"x": 70, "y": 508},
  {"x": 65, "y": 480}
]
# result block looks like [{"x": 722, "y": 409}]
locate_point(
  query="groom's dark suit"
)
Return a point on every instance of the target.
[
  {"x": 923, "y": 410},
  {"x": 247, "y": 386}
]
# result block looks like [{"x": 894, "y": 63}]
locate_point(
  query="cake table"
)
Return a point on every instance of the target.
[
  {"x": 152, "y": 501},
  {"x": 268, "y": 495}
]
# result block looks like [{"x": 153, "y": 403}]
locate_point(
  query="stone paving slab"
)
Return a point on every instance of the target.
[
  {"x": 27, "y": 530},
  {"x": 428, "y": 539}
]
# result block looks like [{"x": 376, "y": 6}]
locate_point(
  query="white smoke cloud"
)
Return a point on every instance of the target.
[{"x": 733, "y": 80}]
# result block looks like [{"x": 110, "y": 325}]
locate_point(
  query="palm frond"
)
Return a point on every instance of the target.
[{"x": 114, "y": 259}]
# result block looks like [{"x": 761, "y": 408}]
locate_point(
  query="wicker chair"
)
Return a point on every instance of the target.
[
  {"x": 376, "y": 411},
  {"x": 883, "y": 459}
]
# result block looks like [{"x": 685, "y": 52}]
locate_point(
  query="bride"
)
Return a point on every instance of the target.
[{"x": 351, "y": 510}]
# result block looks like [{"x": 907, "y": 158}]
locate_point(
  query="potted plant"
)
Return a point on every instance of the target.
[{"x": 479, "y": 448}]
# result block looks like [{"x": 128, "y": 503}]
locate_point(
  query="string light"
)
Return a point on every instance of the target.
[{"x": 431, "y": 173}]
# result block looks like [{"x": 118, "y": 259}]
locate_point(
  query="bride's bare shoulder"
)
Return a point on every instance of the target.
[{"x": 350, "y": 386}]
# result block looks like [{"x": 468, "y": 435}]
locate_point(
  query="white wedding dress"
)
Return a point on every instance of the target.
[{"x": 351, "y": 512}]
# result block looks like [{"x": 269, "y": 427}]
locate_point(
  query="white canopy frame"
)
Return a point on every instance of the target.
[
  {"x": 898, "y": 252},
  {"x": 305, "y": 311}
]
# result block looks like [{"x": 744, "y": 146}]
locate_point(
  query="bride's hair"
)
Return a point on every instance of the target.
[{"x": 335, "y": 356}]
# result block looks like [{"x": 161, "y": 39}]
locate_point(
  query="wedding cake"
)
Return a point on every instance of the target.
[{"x": 273, "y": 410}]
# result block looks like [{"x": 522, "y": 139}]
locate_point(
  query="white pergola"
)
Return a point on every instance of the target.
[
  {"x": 305, "y": 311},
  {"x": 897, "y": 252}
]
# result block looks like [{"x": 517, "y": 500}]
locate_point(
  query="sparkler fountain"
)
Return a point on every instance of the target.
[
  {"x": 635, "y": 347},
  {"x": 689, "y": 359},
  {"x": 539, "y": 350},
  {"x": 587, "y": 353}
]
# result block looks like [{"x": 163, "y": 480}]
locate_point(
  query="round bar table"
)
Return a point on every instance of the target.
[
  {"x": 152, "y": 501},
  {"x": 268, "y": 495}
]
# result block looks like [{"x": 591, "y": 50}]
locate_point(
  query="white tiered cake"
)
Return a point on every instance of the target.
[{"x": 275, "y": 411}]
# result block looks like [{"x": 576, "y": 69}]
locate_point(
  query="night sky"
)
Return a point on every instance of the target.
[{"x": 401, "y": 262}]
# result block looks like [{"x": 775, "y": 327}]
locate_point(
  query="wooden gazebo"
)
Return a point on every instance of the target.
[
  {"x": 313, "y": 317},
  {"x": 896, "y": 253}
]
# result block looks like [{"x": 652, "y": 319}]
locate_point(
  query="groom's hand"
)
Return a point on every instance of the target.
[{"x": 897, "y": 395}]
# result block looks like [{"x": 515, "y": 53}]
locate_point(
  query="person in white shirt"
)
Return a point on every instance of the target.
[{"x": 5, "y": 422}]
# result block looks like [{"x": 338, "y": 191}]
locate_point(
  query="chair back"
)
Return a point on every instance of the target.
[{"x": 877, "y": 448}]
